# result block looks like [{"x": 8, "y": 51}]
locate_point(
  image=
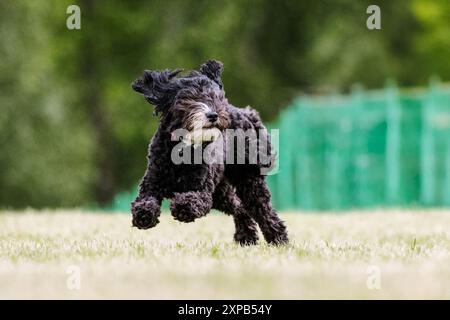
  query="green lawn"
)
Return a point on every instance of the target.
[{"x": 330, "y": 256}]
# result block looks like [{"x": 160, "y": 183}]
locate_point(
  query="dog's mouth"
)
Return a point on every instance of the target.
[
  {"x": 206, "y": 131},
  {"x": 209, "y": 124},
  {"x": 197, "y": 137}
]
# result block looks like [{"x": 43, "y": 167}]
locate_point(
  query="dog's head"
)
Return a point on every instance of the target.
[{"x": 191, "y": 102}]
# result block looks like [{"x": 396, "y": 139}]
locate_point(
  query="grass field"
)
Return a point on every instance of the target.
[{"x": 331, "y": 256}]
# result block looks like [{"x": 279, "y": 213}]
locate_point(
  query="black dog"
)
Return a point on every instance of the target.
[{"x": 197, "y": 100}]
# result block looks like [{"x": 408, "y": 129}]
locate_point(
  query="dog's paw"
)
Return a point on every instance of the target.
[
  {"x": 246, "y": 239},
  {"x": 278, "y": 239},
  {"x": 183, "y": 212},
  {"x": 144, "y": 220},
  {"x": 184, "y": 208},
  {"x": 145, "y": 214}
]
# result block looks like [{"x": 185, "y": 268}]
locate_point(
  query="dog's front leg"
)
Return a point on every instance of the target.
[
  {"x": 188, "y": 206},
  {"x": 146, "y": 209}
]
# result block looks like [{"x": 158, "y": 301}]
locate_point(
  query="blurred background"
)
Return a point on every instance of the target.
[{"x": 360, "y": 123}]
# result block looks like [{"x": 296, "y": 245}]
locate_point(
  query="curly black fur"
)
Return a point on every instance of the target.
[{"x": 194, "y": 189}]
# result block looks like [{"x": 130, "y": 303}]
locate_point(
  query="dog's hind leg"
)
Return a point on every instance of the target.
[
  {"x": 246, "y": 231},
  {"x": 255, "y": 197},
  {"x": 226, "y": 200}
]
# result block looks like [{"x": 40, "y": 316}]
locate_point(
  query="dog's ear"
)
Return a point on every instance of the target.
[
  {"x": 156, "y": 86},
  {"x": 213, "y": 70}
]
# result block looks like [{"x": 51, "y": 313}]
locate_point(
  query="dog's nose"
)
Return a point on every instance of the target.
[{"x": 212, "y": 116}]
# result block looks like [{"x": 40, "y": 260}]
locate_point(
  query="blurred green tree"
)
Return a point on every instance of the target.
[{"x": 45, "y": 156}]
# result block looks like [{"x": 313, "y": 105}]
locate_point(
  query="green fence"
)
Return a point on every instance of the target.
[{"x": 368, "y": 149}]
